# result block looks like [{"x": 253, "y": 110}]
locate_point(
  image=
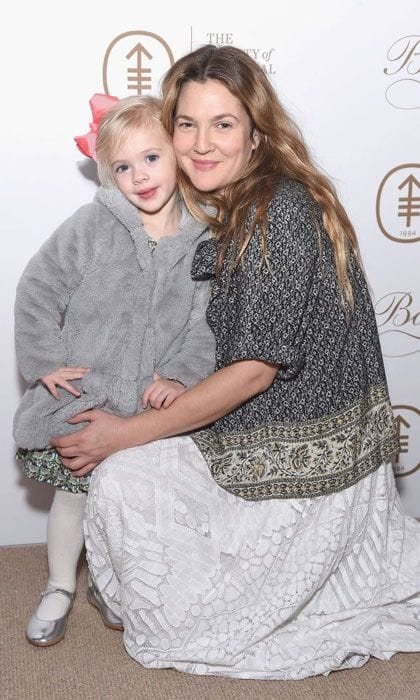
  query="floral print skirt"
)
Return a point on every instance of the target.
[{"x": 45, "y": 465}]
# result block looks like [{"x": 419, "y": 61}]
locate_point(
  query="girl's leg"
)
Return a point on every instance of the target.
[{"x": 65, "y": 543}]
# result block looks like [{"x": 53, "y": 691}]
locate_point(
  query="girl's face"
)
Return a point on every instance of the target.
[
  {"x": 213, "y": 136},
  {"x": 144, "y": 169}
]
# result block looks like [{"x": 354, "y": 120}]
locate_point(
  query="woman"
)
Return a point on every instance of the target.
[{"x": 270, "y": 544}]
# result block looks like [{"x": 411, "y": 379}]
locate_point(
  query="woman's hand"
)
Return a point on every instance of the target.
[
  {"x": 62, "y": 377},
  {"x": 83, "y": 450}
]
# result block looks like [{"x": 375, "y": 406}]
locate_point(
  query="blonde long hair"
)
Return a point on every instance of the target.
[{"x": 281, "y": 153}]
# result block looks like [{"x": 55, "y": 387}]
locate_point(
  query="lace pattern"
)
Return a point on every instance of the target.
[{"x": 210, "y": 583}]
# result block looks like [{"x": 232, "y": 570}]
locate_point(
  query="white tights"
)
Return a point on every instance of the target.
[{"x": 64, "y": 543}]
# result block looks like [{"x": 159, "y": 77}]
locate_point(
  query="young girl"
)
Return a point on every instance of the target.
[{"x": 106, "y": 315}]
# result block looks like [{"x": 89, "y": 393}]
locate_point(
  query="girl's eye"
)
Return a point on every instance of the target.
[
  {"x": 121, "y": 168},
  {"x": 184, "y": 125},
  {"x": 152, "y": 158}
]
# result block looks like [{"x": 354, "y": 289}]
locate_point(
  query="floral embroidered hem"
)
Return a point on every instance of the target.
[{"x": 312, "y": 458}]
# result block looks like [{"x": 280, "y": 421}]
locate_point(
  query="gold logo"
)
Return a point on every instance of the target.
[
  {"x": 398, "y": 204},
  {"x": 134, "y": 64},
  {"x": 398, "y": 324},
  {"x": 407, "y": 419},
  {"x": 403, "y": 70}
]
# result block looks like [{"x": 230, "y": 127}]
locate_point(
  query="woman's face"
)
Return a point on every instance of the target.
[{"x": 213, "y": 136}]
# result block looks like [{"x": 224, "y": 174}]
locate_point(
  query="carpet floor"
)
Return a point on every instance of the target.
[{"x": 91, "y": 663}]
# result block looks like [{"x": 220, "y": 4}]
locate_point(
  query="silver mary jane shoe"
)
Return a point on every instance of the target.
[
  {"x": 44, "y": 633},
  {"x": 108, "y": 617}
]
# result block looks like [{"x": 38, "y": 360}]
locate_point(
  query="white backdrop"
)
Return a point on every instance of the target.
[{"x": 349, "y": 71}]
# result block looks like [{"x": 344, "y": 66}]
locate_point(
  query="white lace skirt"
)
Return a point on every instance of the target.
[{"x": 208, "y": 583}]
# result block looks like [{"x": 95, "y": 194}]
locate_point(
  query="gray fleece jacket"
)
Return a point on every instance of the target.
[{"x": 95, "y": 296}]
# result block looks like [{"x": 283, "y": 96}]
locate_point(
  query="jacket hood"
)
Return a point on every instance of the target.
[{"x": 128, "y": 215}]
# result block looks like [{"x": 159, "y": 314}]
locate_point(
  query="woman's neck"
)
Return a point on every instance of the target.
[{"x": 164, "y": 222}]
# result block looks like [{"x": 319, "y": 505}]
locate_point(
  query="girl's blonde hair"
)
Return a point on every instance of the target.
[
  {"x": 126, "y": 115},
  {"x": 280, "y": 152}
]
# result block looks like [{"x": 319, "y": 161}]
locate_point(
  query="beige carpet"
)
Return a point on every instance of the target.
[{"x": 91, "y": 661}]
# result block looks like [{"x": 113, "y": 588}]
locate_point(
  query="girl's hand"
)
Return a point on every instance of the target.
[
  {"x": 62, "y": 377},
  {"x": 161, "y": 392}
]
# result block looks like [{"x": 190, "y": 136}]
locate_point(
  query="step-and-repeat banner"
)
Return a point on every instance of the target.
[{"x": 349, "y": 73}]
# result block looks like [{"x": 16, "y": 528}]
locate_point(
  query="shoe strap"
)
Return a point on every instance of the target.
[{"x": 68, "y": 594}]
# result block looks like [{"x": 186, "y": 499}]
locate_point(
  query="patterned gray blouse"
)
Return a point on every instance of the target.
[{"x": 326, "y": 421}]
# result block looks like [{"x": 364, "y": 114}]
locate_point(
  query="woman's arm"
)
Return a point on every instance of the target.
[{"x": 212, "y": 398}]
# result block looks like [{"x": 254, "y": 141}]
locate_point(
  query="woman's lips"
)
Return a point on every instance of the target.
[
  {"x": 146, "y": 194},
  {"x": 205, "y": 165}
]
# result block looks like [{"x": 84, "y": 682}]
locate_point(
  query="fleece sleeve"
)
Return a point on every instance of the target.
[
  {"x": 195, "y": 359},
  {"x": 42, "y": 296}
]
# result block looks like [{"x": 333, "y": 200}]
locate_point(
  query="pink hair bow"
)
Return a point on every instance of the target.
[{"x": 99, "y": 105}]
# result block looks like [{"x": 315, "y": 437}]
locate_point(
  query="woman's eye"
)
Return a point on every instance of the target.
[
  {"x": 152, "y": 158},
  {"x": 223, "y": 125},
  {"x": 184, "y": 125},
  {"x": 121, "y": 168}
]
